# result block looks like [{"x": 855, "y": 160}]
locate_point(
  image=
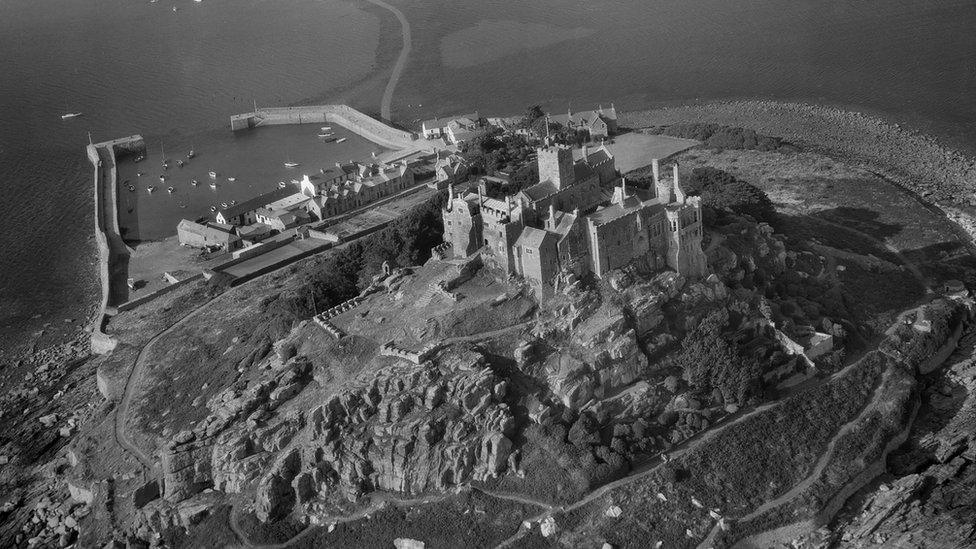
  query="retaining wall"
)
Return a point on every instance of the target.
[
  {"x": 343, "y": 115},
  {"x": 133, "y": 303}
]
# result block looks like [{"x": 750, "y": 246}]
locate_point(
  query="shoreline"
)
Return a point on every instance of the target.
[{"x": 917, "y": 162}]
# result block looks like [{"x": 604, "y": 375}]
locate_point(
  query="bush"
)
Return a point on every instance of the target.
[{"x": 727, "y": 137}]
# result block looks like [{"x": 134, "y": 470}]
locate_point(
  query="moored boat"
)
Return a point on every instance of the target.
[
  {"x": 223, "y": 205},
  {"x": 162, "y": 178},
  {"x": 291, "y": 164},
  {"x": 213, "y": 208},
  {"x": 325, "y": 128},
  {"x": 213, "y": 175},
  {"x": 340, "y": 140},
  {"x": 191, "y": 154},
  {"x": 150, "y": 189},
  {"x": 132, "y": 188},
  {"x": 194, "y": 182},
  {"x": 282, "y": 184},
  {"x": 170, "y": 190},
  {"x": 179, "y": 163},
  {"x": 213, "y": 185},
  {"x": 232, "y": 179},
  {"x": 140, "y": 158},
  {"x": 70, "y": 115}
]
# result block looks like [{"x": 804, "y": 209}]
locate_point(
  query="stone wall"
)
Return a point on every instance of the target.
[{"x": 343, "y": 115}]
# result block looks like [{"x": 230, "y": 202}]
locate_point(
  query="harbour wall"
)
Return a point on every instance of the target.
[
  {"x": 113, "y": 254},
  {"x": 343, "y": 115}
]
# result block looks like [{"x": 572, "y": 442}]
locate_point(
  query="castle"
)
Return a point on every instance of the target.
[{"x": 580, "y": 218}]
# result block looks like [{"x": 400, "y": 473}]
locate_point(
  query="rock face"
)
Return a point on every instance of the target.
[
  {"x": 405, "y": 428},
  {"x": 194, "y": 460},
  {"x": 412, "y": 428}
]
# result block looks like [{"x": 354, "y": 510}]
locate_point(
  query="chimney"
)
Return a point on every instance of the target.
[
  {"x": 623, "y": 185},
  {"x": 586, "y": 152},
  {"x": 679, "y": 192},
  {"x": 481, "y": 199},
  {"x": 508, "y": 202},
  {"x": 450, "y": 196},
  {"x": 656, "y": 168},
  {"x": 551, "y": 222}
]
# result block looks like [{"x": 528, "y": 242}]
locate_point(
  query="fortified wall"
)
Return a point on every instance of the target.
[{"x": 343, "y": 115}]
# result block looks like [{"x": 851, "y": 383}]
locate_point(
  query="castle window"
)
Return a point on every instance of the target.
[{"x": 528, "y": 251}]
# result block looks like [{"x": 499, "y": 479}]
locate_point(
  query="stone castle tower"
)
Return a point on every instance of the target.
[
  {"x": 556, "y": 165},
  {"x": 685, "y": 253}
]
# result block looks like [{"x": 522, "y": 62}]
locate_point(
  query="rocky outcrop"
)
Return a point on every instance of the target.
[
  {"x": 411, "y": 428},
  {"x": 195, "y": 460}
]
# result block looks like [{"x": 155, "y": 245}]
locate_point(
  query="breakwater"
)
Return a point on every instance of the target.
[
  {"x": 343, "y": 115},
  {"x": 113, "y": 254}
]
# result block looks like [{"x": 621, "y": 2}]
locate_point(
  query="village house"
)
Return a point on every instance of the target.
[
  {"x": 196, "y": 235},
  {"x": 333, "y": 193},
  {"x": 451, "y": 169},
  {"x": 601, "y": 123},
  {"x": 437, "y": 127},
  {"x": 245, "y": 213},
  {"x": 564, "y": 223}
]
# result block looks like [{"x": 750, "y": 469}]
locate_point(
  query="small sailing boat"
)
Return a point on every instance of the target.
[
  {"x": 170, "y": 190},
  {"x": 140, "y": 174},
  {"x": 213, "y": 175},
  {"x": 326, "y": 128},
  {"x": 232, "y": 179},
  {"x": 194, "y": 182},
  {"x": 140, "y": 158},
  {"x": 190, "y": 154},
  {"x": 213, "y": 185},
  {"x": 150, "y": 188},
  {"x": 282, "y": 185},
  {"x": 162, "y": 178},
  {"x": 223, "y": 205},
  {"x": 340, "y": 140},
  {"x": 290, "y": 164},
  {"x": 213, "y": 208},
  {"x": 68, "y": 115}
]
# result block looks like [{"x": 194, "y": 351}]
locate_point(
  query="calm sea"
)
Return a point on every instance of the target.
[{"x": 175, "y": 76}]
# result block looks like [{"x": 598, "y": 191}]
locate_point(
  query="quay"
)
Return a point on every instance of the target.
[{"x": 342, "y": 115}]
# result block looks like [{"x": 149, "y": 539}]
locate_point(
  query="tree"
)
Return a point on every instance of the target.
[{"x": 723, "y": 191}]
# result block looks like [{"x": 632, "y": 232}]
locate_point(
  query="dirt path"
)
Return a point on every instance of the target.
[{"x": 386, "y": 105}]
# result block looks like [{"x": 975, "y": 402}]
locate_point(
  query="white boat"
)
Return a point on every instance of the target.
[
  {"x": 233, "y": 202},
  {"x": 326, "y": 134},
  {"x": 140, "y": 158},
  {"x": 194, "y": 182},
  {"x": 232, "y": 179},
  {"x": 223, "y": 205},
  {"x": 191, "y": 154},
  {"x": 325, "y": 128},
  {"x": 140, "y": 174},
  {"x": 213, "y": 185},
  {"x": 132, "y": 188},
  {"x": 162, "y": 178},
  {"x": 213, "y": 175},
  {"x": 70, "y": 115},
  {"x": 176, "y": 8},
  {"x": 340, "y": 140},
  {"x": 150, "y": 189},
  {"x": 292, "y": 164},
  {"x": 282, "y": 184},
  {"x": 170, "y": 190},
  {"x": 213, "y": 208}
]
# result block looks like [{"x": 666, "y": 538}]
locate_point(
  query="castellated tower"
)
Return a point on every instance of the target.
[
  {"x": 663, "y": 188},
  {"x": 556, "y": 165},
  {"x": 685, "y": 253}
]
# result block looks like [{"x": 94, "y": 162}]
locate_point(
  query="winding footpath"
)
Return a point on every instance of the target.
[{"x": 386, "y": 104}]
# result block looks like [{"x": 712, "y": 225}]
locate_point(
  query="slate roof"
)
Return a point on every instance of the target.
[
  {"x": 257, "y": 202},
  {"x": 533, "y": 238},
  {"x": 209, "y": 233},
  {"x": 540, "y": 190}
]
